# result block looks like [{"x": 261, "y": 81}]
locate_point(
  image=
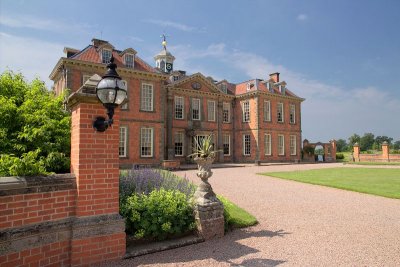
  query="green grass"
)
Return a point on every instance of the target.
[
  {"x": 380, "y": 182},
  {"x": 374, "y": 163},
  {"x": 236, "y": 217}
]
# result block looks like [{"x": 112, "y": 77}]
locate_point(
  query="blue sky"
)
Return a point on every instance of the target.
[{"x": 342, "y": 56}]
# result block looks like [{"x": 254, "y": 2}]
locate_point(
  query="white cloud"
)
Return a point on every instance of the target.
[
  {"x": 328, "y": 112},
  {"x": 32, "y": 57},
  {"x": 302, "y": 17},
  {"x": 30, "y": 22},
  {"x": 166, "y": 23}
]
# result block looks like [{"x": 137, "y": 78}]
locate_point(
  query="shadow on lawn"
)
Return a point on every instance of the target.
[{"x": 223, "y": 250}]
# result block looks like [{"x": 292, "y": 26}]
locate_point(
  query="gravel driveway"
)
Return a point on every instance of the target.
[{"x": 300, "y": 225}]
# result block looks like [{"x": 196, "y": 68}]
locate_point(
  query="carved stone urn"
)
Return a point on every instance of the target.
[
  {"x": 209, "y": 211},
  {"x": 204, "y": 193}
]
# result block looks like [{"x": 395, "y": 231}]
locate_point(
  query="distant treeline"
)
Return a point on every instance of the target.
[{"x": 367, "y": 142}]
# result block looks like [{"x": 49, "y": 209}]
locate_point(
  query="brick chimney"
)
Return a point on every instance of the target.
[{"x": 274, "y": 77}]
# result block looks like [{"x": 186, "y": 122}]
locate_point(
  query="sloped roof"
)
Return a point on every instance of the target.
[{"x": 92, "y": 54}]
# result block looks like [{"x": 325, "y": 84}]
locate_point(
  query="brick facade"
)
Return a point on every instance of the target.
[{"x": 167, "y": 127}]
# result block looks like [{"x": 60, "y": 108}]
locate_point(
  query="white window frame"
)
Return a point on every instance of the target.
[
  {"x": 179, "y": 103},
  {"x": 123, "y": 141},
  {"x": 196, "y": 104},
  {"x": 224, "y": 88},
  {"x": 267, "y": 110},
  {"x": 179, "y": 136},
  {"x": 211, "y": 110},
  {"x": 226, "y": 106},
  {"x": 105, "y": 51},
  {"x": 246, "y": 111},
  {"x": 292, "y": 114},
  {"x": 292, "y": 144},
  {"x": 281, "y": 145},
  {"x": 127, "y": 63},
  {"x": 85, "y": 78},
  {"x": 125, "y": 106},
  {"x": 246, "y": 145},
  {"x": 280, "y": 112},
  {"x": 268, "y": 145},
  {"x": 226, "y": 140},
  {"x": 146, "y": 137},
  {"x": 147, "y": 97}
]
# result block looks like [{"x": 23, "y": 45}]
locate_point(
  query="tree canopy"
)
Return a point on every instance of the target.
[{"x": 33, "y": 125}]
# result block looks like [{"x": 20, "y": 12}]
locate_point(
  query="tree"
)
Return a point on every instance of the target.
[
  {"x": 366, "y": 141},
  {"x": 355, "y": 138},
  {"x": 379, "y": 140},
  {"x": 341, "y": 145},
  {"x": 32, "y": 120},
  {"x": 396, "y": 145}
]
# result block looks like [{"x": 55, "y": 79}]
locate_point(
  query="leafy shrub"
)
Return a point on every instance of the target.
[
  {"x": 160, "y": 214},
  {"x": 57, "y": 162},
  {"x": 339, "y": 156},
  {"x": 27, "y": 165}
]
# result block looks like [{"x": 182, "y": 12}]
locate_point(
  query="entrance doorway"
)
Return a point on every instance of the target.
[{"x": 319, "y": 153}]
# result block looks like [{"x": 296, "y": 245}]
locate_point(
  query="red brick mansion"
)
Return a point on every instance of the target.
[{"x": 251, "y": 121}]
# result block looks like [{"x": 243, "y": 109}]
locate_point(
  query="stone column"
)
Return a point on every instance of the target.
[
  {"x": 385, "y": 152},
  {"x": 333, "y": 151},
  {"x": 170, "y": 111},
  {"x": 209, "y": 211},
  {"x": 356, "y": 152},
  {"x": 98, "y": 231}
]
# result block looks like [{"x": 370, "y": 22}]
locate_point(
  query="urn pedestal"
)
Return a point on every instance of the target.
[{"x": 209, "y": 211}]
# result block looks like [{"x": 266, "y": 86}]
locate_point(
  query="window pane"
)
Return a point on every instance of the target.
[
  {"x": 129, "y": 61},
  {"x": 226, "y": 110},
  {"x": 246, "y": 144},
  {"x": 146, "y": 142},
  {"x": 106, "y": 56},
  {"x": 268, "y": 144},
  {"x": 147, "y": 97},
  {"x": 293, "y": 145},
  {"x": 226, "y": 144},
  {"x": 178, "y": 107},
  {"x": 292, "y": 114},
  {"x": 280, "y": 112},
  {"x": 281, "y": 145},
  {"x": 246, "y": 111},
  {"x": 267, "y": 110},
  {"x": 179, "y": 144},
  {"x": 122, "y": 141},
  {"x": 195, "y": 109}
]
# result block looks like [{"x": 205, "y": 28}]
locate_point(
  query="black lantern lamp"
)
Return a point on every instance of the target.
[{"x": 111, "y": 91}]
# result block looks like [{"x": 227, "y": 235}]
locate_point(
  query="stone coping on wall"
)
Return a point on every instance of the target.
[{"x": 36, "y": 184}]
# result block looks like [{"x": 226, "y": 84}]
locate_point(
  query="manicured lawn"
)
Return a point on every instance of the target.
[
  {"x": 381, "y": 182},
  {"x": 374, "y": 163},
  {"x": 236, "y": 217}
]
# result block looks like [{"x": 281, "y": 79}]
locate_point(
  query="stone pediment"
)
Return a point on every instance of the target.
[{"x": 197, "y": 82}]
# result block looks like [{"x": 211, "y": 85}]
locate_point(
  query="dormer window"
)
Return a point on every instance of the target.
[
  {"x": 224, "y": 88},
  {"x": 249, "y": 86},
  {"x": 106, "y": 56},
  {"x": 129, "y": 60}
]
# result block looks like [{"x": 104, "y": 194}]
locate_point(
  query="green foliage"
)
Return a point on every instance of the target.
[
  {"x": 396, "y": 145},
  {"x": 26, "y": 165},
  {"x": 57, "y": 162},
  {"x": 355, "y": 138},
  {"x": 204, "y": 148},
  {"x": 32, "y": 120},
  {"x": 308, "y": 150},
  {"x": 341, "y": 145},
  {"x": 367, "y": 141},
  {"x": 339, "y": 156},
  {"x": 158, "y": 215}
]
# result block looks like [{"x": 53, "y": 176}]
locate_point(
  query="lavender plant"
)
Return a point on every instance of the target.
[{"x": 144, "y": 181}]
